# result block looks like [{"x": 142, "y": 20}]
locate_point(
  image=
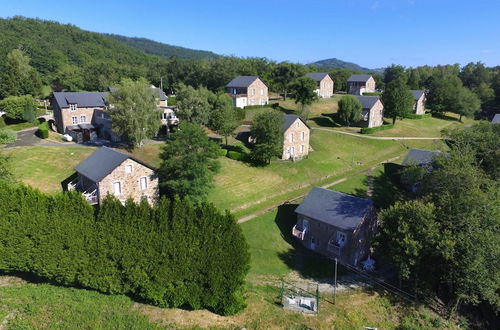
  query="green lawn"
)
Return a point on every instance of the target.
[{"x": 45, "y": 167}]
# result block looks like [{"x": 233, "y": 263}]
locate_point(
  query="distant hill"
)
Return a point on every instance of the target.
[
  {"x": 164, "y": 50},
  {"x": 335, "y": 63}
]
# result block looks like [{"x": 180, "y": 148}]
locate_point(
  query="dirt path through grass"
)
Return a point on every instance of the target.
[{"x": 328, "y": 185}]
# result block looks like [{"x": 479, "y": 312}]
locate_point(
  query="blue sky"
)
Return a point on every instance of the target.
[{"x": 372, "y": 33}]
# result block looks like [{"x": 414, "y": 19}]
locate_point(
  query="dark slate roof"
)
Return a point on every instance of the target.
[
  {"x": 367, "y": 102},
  {"x": 334, "y": 208},
  {"x": 102, "y": 162},
  {"x": 420, "y": 157},
  {"x": 359, "y": 77},
  {"x": 154, "y": 91},
  {"x": 496, "y": 119},
  {"x": 242, "y": 81},
  {"x": 317, "y": 76},
  {"x": 289, "y": 120},
  {"x": 82, "y": 99},
  {"x": 417, "y": 94}
]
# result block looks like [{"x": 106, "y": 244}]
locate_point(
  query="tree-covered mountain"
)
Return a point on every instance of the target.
[
  {"x": 335, "y": 63},
  {"x": 164, "y": 50},
  {"x": 68, "y": 57}
]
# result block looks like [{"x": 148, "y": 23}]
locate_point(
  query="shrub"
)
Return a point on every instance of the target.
[
  {"x": 275, "y": 105},
  {"x": 2, "y": 122},
  {"x": 415, "y": 116},
  {"x": 367, "y": 130},
  {"x": 236, "y": 155},
  {"x": 240, "y": 113},
  {"x": 372, "y": 94},
  {"x": 17, "y": 106},
  {"x": 239, "y": 147},
  {"x": 43, "y": 130},
  {"x": 169, "y": 255},
  {"x": 223, "y": 152},
  {"x": 7, "y": 136},
  {"x": 171, "y": 101},
  {"x": 255, "y": 106}
]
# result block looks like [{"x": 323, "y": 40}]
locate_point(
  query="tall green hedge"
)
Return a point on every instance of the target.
[
  {"x": 174, "y": 254},
  {"x": 43, "y": 130}
]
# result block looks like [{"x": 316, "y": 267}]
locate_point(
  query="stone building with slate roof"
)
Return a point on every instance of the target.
[
  {"x": 372, "y": 114},
  {"x": 247, "y": 90},
  {"x": 419, "y": 98},
  {"x": 336, "y": 225},
  {"x": 108, "y": 171},
  {"x": 324, "y": 84},
  {"x": 296, "y": 138},
  {"x": 358, "y": 84}
]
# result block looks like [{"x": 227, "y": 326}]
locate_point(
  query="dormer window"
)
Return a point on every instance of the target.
[{"x": 72, "y": 107}]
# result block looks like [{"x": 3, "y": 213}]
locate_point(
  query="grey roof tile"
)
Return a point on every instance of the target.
[
  {"x": 417, "y": 94},
  {"x": 420, "y": 157},
  {"x": 359, "y": 77},
  {"x": 242, "y": 81},
  {"x": 496, "y": 119},
  {"x": 288, "y": 120},
  {"x": 82, "y": 99},
  {"x": 317, "y": 76},
  {"x": 367, "y": 102},
  {"x": 334, "y": 208}
]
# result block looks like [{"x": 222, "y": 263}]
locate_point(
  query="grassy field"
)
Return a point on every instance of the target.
[{"x": 45, "y": 167}]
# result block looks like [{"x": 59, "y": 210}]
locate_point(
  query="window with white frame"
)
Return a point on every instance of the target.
[
  {"x": 302, "y": 136},
  {"x": 128, "y": 168},
  {"x": 83, "y": 119},
  {"x": 302, "y": 148},
  {"x": 253, "y": 91},
  {"x": 74, "y": 120},
  {"x": 262, "y": 91},
  {"x": 117, "y": 188},
  {"x": 143, "y": 183},
  {"x": 72, "y": 107}
]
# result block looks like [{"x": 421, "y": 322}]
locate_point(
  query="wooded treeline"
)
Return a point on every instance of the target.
[{"x": 174, "y": 254}]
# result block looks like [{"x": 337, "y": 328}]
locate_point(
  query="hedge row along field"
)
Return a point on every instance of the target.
[{"x": 172, "y": 255}]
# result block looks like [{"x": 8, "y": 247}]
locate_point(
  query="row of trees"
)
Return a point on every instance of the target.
[
  {"x": 453, "y": 221},
  {"x": 174, "y": 254}
]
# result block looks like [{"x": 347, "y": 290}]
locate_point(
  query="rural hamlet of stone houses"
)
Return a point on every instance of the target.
[
  {"x": 324, "y": 84},
  {"x": 108, "y": 171},
  {"x": 336, "y": 225},
  {"x": 247, "y": 91}
]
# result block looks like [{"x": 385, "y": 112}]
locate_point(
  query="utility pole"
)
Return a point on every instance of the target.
[{"x": 335, "y": 284}]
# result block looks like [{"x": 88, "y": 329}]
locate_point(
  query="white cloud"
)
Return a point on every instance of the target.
[{"x": 487, "y": 51}]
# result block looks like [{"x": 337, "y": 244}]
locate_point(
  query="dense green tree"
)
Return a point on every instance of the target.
[
  {"x": 189, "y": 163},
  {"x": 395, "y": 72},
  {"x": 475, "y": 74},
  {"x": 397, "y": 100},
  {"x": 5, "y": 169},
  {"x": 465, "y": 103},
  {"x": 485, "y": 93},
  {"x": 303, "y": 93},
  {"x": 408, "y": 236},
  {"x": 19, "y": 77},
  {"x": 223, "y": 115},
  {"x": 442, "y": 91},
  {"x": 193, "y": 104},
  {"x": 283, "y": 74},
  {"x": 413, "y": 79},
  {"x": 349, "y": 109},
  {"x": 68, "y": 78},
  {"x": 19, "y": 107},
  {"x": 267, "y": 132},
  {"x": 134, "y": 111},
  {"x": 339, "y": 77}
]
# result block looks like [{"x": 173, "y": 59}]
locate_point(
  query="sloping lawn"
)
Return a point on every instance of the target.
[{"x": 45, "y": 167}]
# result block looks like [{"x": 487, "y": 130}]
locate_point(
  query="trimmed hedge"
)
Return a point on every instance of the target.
[
  {"x": 372, "y": 94},
  {"x": 367, "y": 130},
  {"x": 222, "y": 152},
  {"x": 256, "y": 106},
  {"x": 236, "y": 155},
  {"x": 43, "y": 130},
  {"x": 175, "y": 254},
  {"x": 7, "y": 136},
  {"x": 415, "y": 116}
]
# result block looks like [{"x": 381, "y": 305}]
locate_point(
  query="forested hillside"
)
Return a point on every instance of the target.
[
  {"x": 164, "y": 50},
  {"x": 335, "y": 63}
]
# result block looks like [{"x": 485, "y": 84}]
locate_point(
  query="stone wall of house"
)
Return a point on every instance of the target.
[
  {"x": 67, "y": 114},
  {"x": 419, "y": 106},
  {"x": 130, "y": 182},
  {"x": 296, "y": 141},
  {"x": 257, "y": 93},
  {"x": 326, "y": 87},
  {"x": 376, "y": 117},
  {"x": 370, "y": 86}
]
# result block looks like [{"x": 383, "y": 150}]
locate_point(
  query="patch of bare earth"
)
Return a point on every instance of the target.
[{"x": 11, "y": 281}]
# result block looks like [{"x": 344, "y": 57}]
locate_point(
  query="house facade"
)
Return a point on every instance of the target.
[
  {"x": 336, "y": 225},
  {"x": 247, "y": 90},
  {"x": 108, "y": 171},
  {"x": 324, "y": 84},
  {"x": 372, "y": 114},
  {"x": 296, "y": 138},
  {"x": 357, "y": 84},
  {"x": 419, "y": 98}
]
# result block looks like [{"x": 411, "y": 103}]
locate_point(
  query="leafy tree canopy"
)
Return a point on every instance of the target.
[
  {"x": 349, "y": 109},
  {"x": 267, "y": 131}
]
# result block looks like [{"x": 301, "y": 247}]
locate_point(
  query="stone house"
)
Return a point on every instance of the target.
[
  {"x": 247, "y": 90},
  {"x": 372, "y": 114},
  {"x": 336, "y": 225},
  {"x": 108, "y": 171},
  {"x": 358, "y": 84},
  {"x": 419, "y": 97},
  {"x": 296, "y": 138},
  {"x": 79, "y": 114},
  {"x": 324, "y": 84}
]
